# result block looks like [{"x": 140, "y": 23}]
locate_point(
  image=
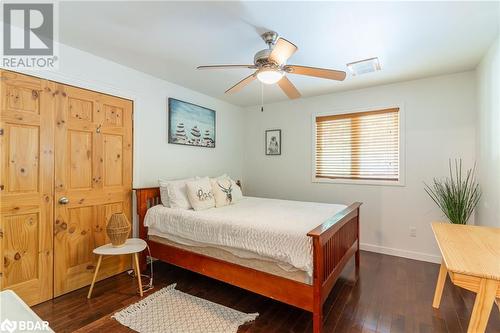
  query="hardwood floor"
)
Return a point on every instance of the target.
[{"x": 391, "y": 295}]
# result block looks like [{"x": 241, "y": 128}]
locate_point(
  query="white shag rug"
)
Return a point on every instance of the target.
[{"x": 172, "y": 311}]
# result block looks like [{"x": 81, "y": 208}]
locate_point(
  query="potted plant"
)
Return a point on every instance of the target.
[{"x": 458, "y": 195}]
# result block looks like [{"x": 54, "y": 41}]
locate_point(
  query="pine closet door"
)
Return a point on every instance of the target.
[
  {"x": 93, "y": 179},
  {"x": 26, "y": 186},
  {"x": 65, "y": 167}
]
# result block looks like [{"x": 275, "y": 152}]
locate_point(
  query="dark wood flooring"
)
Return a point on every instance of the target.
[{"x": 391, "y": 295}]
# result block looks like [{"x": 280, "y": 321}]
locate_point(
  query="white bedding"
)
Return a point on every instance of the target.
[{"x": 269, "y": 228}]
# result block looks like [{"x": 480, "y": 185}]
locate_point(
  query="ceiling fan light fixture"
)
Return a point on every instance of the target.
[
  {"x": 269, "y": 76},
  {"x": 271, "y": 66}
]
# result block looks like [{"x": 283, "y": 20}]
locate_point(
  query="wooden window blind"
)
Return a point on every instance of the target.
[{"x": 361, "y": 145}]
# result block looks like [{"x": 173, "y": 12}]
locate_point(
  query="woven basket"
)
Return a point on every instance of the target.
[{"x": 118, "y": 229}]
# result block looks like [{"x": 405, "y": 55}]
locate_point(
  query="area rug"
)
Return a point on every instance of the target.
[{"x": 172, "y": 311}]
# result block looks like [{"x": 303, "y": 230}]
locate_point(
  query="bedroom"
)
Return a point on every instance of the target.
[{"x": 104, "y": 100}]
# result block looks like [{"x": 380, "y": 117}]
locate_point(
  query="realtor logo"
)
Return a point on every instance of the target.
[
  {"x": 29, "y": 35},
  {"x": 37, "y": 24}
]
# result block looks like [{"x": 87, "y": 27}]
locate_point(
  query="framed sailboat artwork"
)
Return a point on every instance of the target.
[{"x": 190, "y": 124}]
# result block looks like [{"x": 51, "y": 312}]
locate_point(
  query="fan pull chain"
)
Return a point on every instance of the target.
[{"x": 261, "y": 97}]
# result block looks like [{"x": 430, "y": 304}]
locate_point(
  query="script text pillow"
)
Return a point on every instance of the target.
[{"x": 200, "y": 194}]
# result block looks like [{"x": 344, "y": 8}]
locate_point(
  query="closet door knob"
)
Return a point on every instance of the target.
[{"x": 63, "y": 201}]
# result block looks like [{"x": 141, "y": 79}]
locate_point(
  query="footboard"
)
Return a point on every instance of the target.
[{"x": 334, "y": 243}]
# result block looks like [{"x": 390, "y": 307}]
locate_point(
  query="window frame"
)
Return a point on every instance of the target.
[{"x": 402, "y": 148}]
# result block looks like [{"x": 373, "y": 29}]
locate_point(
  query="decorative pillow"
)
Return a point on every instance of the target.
[
  {"x": 200, "y": 194},
  {"x": 222, "y": 187},
  {"x": 173, "y": 193},
  {"x": 225, "y": 190}
]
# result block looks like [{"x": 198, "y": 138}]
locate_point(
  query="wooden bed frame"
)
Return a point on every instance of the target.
[{"x": 334, "y": 243}]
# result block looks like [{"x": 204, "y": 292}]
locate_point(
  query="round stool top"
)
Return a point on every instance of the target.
[{"x": 132, "y": 245}]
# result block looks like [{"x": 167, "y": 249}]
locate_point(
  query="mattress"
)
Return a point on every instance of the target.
[{"x": 254, "y": 228}]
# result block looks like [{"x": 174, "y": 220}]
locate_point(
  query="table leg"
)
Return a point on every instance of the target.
[
  {"x": 138, "y": 273},
  {"x": 482, "y": 305},
  {"x": 95, "y": 276},
  {"x": 440, "y": 285}
]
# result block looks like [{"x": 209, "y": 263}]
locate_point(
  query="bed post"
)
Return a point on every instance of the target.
[
  {"x": 356, "y": 256},
  {"x": 317, "y": 286},
  {"x": 146, "y": 198}
]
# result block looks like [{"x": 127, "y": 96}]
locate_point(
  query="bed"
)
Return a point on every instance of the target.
[{"x": 287, "y": 250}]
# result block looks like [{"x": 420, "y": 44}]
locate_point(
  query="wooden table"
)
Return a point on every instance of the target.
[
  {"x": 132, "y": 246},
  {"x": 471, "y": 257}
]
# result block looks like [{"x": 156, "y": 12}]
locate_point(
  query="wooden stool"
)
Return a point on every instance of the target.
[{"x": 132, "y": 246}]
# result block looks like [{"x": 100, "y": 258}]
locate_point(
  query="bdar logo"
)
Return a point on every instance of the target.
[{"x": 8, "y": 326}]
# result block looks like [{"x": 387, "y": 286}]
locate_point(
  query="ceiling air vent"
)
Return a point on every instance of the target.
[{"x": 364, "y": 66}]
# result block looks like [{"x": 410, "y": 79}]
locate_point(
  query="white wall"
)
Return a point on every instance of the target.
[
  {"x": 153, "y": 156},
  {"x": 440, "y": 121},
  {"x": 488, "y": 136}
]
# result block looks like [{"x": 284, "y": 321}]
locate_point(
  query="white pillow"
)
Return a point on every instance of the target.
[
  {"x": 237, "y": 194},
  {"x": 173, "y": 193},
  {"x": 163, "y": 192},
  {"x": 200, "y": 194}
]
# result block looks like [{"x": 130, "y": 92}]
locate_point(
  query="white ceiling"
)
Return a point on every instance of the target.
[{"x": 169, "y": 39}]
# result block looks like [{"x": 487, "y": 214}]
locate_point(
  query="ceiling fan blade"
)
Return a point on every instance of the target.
[
  {"x": 226, "y": 66},
  {"x": 240, "y": 85},
  {"x": 288, "y": 87},
  {"x": 282, "y": 51},
  {"x": 316, "y": 72}
]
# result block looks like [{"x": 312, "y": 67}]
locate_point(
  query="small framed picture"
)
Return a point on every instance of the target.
[{"x": 273, "y": 142}]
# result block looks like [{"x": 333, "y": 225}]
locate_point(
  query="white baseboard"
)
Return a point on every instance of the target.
[{"x": 401, "y": 253}]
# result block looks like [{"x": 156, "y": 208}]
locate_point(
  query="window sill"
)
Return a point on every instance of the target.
[{"x": 359, "y": 181}]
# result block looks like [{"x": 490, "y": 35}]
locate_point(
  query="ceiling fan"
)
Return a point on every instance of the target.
[{"x": 270, "y": 65}]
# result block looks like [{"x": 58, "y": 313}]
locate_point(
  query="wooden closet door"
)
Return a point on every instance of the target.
[
  {"x": 93, "y": 179},
  {"x": 26, "y": 186}
]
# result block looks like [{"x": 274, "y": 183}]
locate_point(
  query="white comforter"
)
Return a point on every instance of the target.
[{"x": 270, "y": 228}]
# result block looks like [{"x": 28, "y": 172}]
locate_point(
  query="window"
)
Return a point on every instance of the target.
[{"x": 358, "y": 146}]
